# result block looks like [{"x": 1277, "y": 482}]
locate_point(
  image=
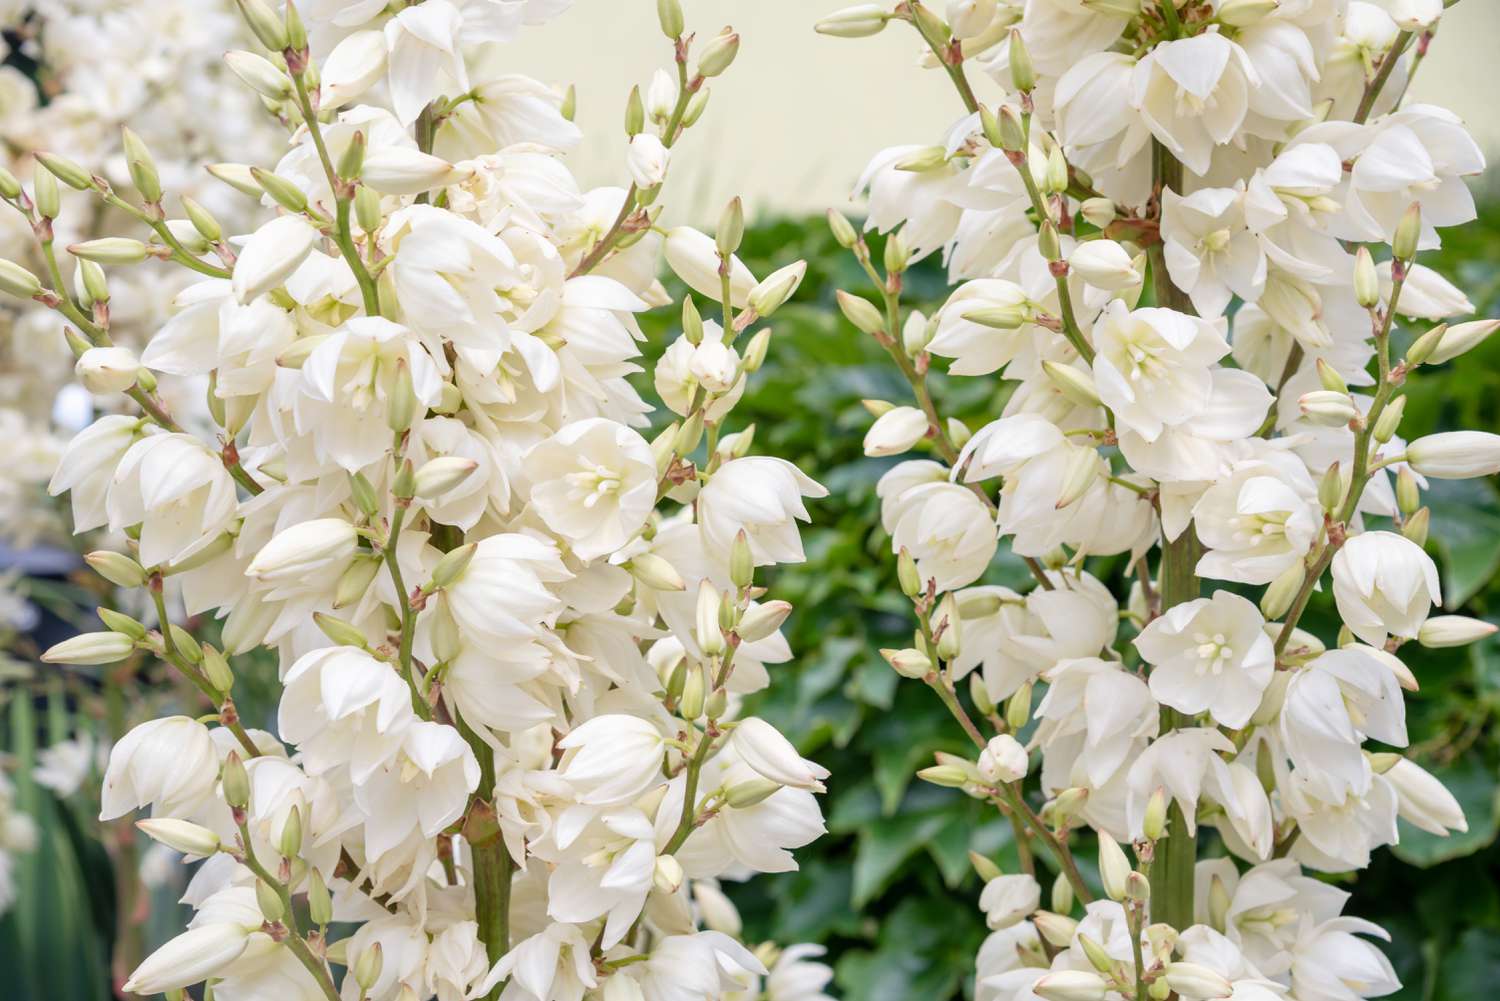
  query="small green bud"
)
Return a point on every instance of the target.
[
  {"x": 110, "y": 250},
  {"x": 569, "y": 107},
  {"x": 142, "y": 167},
  {"x": 1012, "y": 130},
  {"x": 984, "y": 866},
  {"x": 1408, "y": 233},
  {"x": 264, "y": 23},
  {"x": 401, "y": 408},
  {"x": 45, "y": 193},
  {"x": 695, "y": 108},
  {"x": 1022, "y": 73},
  {"x": 355, "y": 581},
  {"x": 1331, "y": 488},
  {"x": 731, "y": 231},
  {"x": 453, "y": 564},
  {"x": 1408, "y": 493},
  {"x": 237, "y": 176},
  {"x": 17, "y": 281},
  {"x": 271, "y": 906},
  {"x": 907, "y": 575},
  {"x": 319, "y": 900},
  {"x": 296, "y": 31},
  {"x": 282, "y": 192},
  {"x": 751, "y": 792},
  {"x": 1330, "y": 378},
  {"x": 669, "y": 16},
  {"x": 689, "y": 435},
  {"x": 718, "y": 53},
  {"x": 1389, "y": 420},
  {"x": 1423, "y": 347},
  {"x": 1417, "y": 526},
  {"x": 897, "y": 253},
  {"x": 367, "y": 208},
  {"x": 860, "y": 312},
  {"x": 117, "y": 568},
  {"x": 979, "y": 694},
  {"x": 990, "y": 126},
  {"x": 95, "y": 285},
  {"x": 1018, "y": 708},
  {"x": 635, "y": 113},
  {"x": 1048, "y": 242},
  {"x": 925, "y": 159},
  {"x": 236, "y": 781},
  {"x": 909, "y": 663},
  {"x": 186, "y": 644},
  {"x": 690, "y": 706},
  {"x": 216, "y": 669},
  {"x": 741, "y": 561},
  {"x": 363, "y": 493},
  {"x": 756, "y": 350},
  {"x": 692, "y": 321},
  {"x": 352, "y": 163},
  {"x": 341, "y": 632},
  {"x": 1281, "y": 592},
  {"x": 10, "y": 187},
  {"x": 843, "y": 230},
  {"x": 290, "y": 841},
  {"x": 66, "y": 171},
  {"x": 119, "y": 622}
]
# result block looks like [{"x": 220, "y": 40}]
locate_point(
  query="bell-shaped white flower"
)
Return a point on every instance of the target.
[
  {"x": 87, "y": 467},
  {"x": 694, "y": 258},
  {"x": 1152, "y": 366},
  {"x": 1210, "y": 655},
  {"x": 1194, "y": 94},
  {"x": 593, "y": 483},
  {"x": 1006, "y": 900},
  {"x": 762, "y": 497},
  {"x": 271, "y": 254},
  {"x": 1384, "y": 585},
  {"x": 947, "y": 530},
  {"x": 169, "y": 763},
  {"x": 176, "y": 490},
  {"x": 612, "y": 758},
  {"x": 195, "y": 955}
]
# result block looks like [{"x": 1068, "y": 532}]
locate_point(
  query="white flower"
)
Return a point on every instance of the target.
[
  {"x": 896, "y": 431},
  {"x": 764, "y": 749},
  {"x": 1258, "y": 521},
  {"x": 593, "y": 483},
  {"x": 1328, "y": 709},
  {"x": 1152, "y": 366},
  {"x": 1006, "y": 900},
  {"x": 1194, "y": 94},
  {"x": 1455, "y": 455},
  {"x": 1384, "y": 584},
  {"x": 195, "y": 955},
  {"x": 947, "y": 530},
  {"x": 1003, "y": 760},
  {"x": 88, "y": 466},
  {"x": 271, "y": 254},
  {"x": 1104, "y": 264},
  {"x": 613, "y": 758},
  {"x": 1424, "y": 801},
  {"x": 1210, "y": 252},
  {"x": 647, "y": 160},
  {"x": 424, "y": 786},
  {"x": 694, "y": 257},
  {"x": 107, "y": 370},
  {"x": 552, "y": 965},
  {"x": 323, "y": 545},
  {"x": 1210, "y": 654},
  {"x": 762, "y": 497},
  {"x": 424, "y": 58},
  {"x": 1331, "y": 963},
  {"x": 169, "y": 763},
  {"x": 176, "y": 490}
]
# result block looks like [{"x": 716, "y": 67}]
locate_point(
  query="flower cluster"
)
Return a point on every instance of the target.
[
  {"x": 1181, "y": 237},
  {"x": 513, "y": 632},
  {"x": 93, "y": 67}
]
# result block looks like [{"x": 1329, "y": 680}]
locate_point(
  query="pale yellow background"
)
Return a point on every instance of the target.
[{"x": 797, "y": 117}]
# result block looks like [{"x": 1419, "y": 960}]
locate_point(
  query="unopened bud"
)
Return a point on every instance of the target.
[
  {"x": 1422, "y": 348},
  {"x": 1245, "y": 13},
  {"x": 1453, "y": 630},
  {"x": 1071, "y": 985},
  {"x": 264, "y": 23},
  {"x": 180, "y": 835},
  {"x": 1331, "y": 488},
  {"x": 319, "y": 900},
  {"x": 743, "y": 795},
  {"x": 861, "y": 313},
  {"x": 90, "y": 648},
  {"x": 1327, "y": 408},
  {"x": 117, "y": 568},
  {"x": 1056, "y": 929},
  {"x": 1389, "y": 420},
  {"x": 1408, "y": 492},
  {"x": 1193, "y": 982},
  {"x": 858, "y": 21},
  {"x": 777, "y": 288},
  {"x": 282, "y": 191},
  {"x": 1098, "y": 212},
  {"x": 440, "y": 475},
  {"x": 718, "y": 53},
  {"x": 979, "y": 694},
  {"x": 1022, "y": 73},
  {"x": 909, "y": 663},
  {"x": 1281, "y": 592},
  {"x": 368, "y": 966},
  {"x": 731, "y": 230},
  {"x": 401, "y": 408},
  {"x": 1408, "y": 233},
  {"x": 843, "y": 230},
  {"x": 669, "y": 16},
  {"x": 341, "y": 632},
  {"x": 1062, "y": 894},
  {"x": 1114, "y": 867},
  {"x": 17, "y": 281},
  {"x": 110, "y": 250},
  {"x": 1048, "y": 243},
  {"x": 65, "y": 170},
  {"x": 1460, "y": 338},
  {"x": 236, "y": 781},
  {"x": 1418, "y": 525},
  {"x": 1366, "y": 280}
]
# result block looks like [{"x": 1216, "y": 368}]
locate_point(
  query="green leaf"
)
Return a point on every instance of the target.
[
  {"x": 1472, "y": 969},
  {"x": 1466, "y": 531}
]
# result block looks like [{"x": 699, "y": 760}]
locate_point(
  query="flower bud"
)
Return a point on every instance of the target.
[
  {"x": 909, "y": 663},
  {"x": 896, "y": 430},
  {"x": 1098, "y": 212},
  {"x": 180, "y": 835},
  {"x": 1453, "y": 455},
  {"x": 17, "y": 281},
  {"x": 907, "y": 574},
  {"x": 1075, "y": 384},
  {"x": 1408, "y": 233},
  {"x": 1055, "y": 179},
  {"x": 1114, "y": 867},
  {"x": 1366, "y": 279},
  {"x": 708, "y": 634},
  {"x": 947, "y": 776},
  {"x": 110, "y": 250},
  {"x": 1018, "y": 707},
  {"x": 858, "y": 21},
  {"x": 743, "y": 795},
  {"x": 1281, "y": 592},
  {"x": 319, "y": 900},
  {"x": 922, "y": 160},
  {"x": 10, "y": 188},
  {"x": 1197, "y": 983},
  {"x": 1328, "y": 408},
  {"x": 453, "y": 564},
  {"x": 1331, "y": 488},
  {"x": 65, "y": 170},
  {"x": 1460, "y": 338},
  {"x": 401, "y": 408},
  {"x": 1330, "y": 378},
  {"x": 843, "y": 231},
  {"x": 718, "y": 53},
  {"x": 763, "y": 620},
  {"x": 438, "y": 476},
  {"x": 655, "y": 572},
  {"x": 1022, "y": 73},
  {"x": 1453, "y": 630},
  {"x": 777, "y": 288},
  {"x": 1245, "y": 13},
  {"x": 282, "y": 191},
  {"x": 1137, "y": 887},
  {"x": 1389, "y": 420},
  {"x": 1057, "y": 930},
  {"x": 690, "y": 703},
  {"x": 1070, "y": 985},
  {"x": 1095, "y": 954},
  {"x": 897, "y": 254},
  {"x": 367, "y": 208},
  {"x": 117, "y": 568},
  {"x": 289, "y": 841},
  {"x": 1416, "y": 527},
  {"x": 264, "y": 23},
  {"x": 107, "y": 370},
  {"x": 1154, "y": 824},
  {"x": 1048, "y": 243},
  {"x": 1104, "y": 264},
  {"x": 1062, "y": 894},
  {"x": 979, "y": 694},
  {"x": 90, "y": 648},
  {"x": 236, "y": 781},
  {"x": 217, "y": 670},
  {"x": 339, "y": 631},
  {"x": 1408, "y": 493},
  {"x": 1114, "y": 8},
  {"x": 186, "y": 643},
  {"x": 1422, "y": 348},
  {"x": 368, "y": 965},
  {"x": 731, "y": 230},
  {"x": 1080, "y": 471},
  {"x": 1012, "y": 130},
  {"x": 669, "y": 16},
  {"x": 121, "y": 623},
  {"x": 860, "y": 312}
]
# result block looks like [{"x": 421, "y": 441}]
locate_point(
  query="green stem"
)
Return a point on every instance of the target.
[
  {"x": 407, "y": 669},
  {"x": 1382, "y": 74},
  {"x": 690, "y": 795},
  {"x": 343, "y": 233},
  {"x": 493, "y": 872},
  {"x": 294, "y": 940}
]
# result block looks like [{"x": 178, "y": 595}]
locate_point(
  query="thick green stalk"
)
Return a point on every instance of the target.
[{"x": 493, "y": 869}]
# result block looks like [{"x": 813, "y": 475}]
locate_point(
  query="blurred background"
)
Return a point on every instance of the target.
[
  {"x": 890, "y": 890},
  {"x": 799, "y": 116}
]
